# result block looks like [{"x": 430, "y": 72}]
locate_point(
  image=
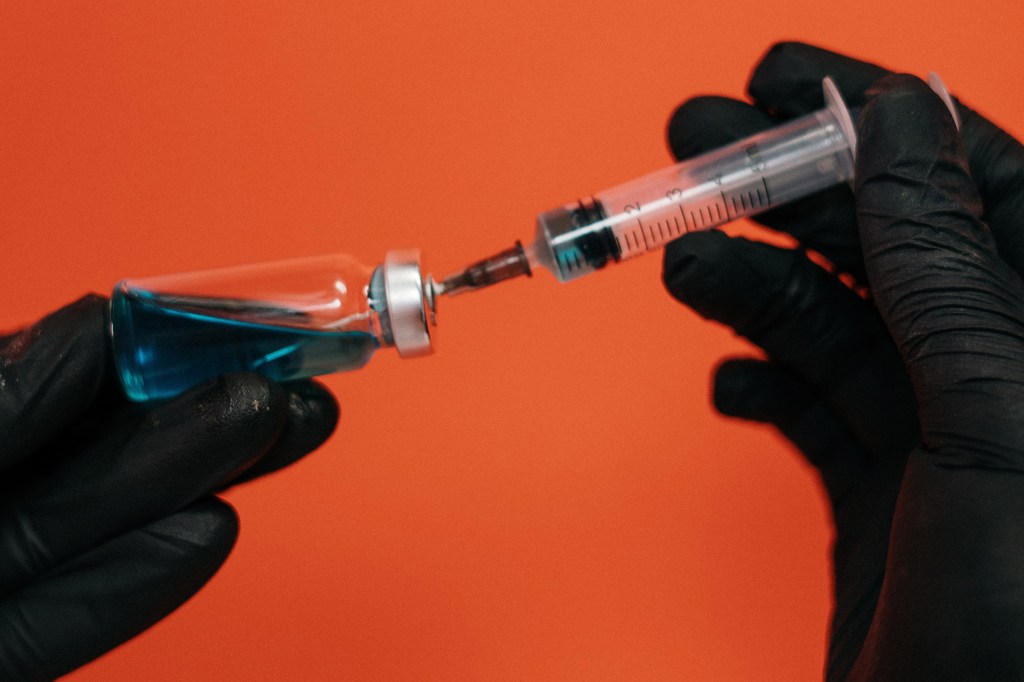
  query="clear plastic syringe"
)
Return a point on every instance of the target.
[{"x": 744, "y": 178}]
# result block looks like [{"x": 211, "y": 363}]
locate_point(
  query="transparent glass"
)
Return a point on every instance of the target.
[
  {"x": 285, "y": 320},
  {"x": 768, "y": 169},
  {"x": 736, "y": 181}
]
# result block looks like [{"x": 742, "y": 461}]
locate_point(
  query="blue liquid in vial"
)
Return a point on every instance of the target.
[{"x": 161, "y": 350}]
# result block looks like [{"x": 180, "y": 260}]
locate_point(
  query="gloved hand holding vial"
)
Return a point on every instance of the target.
[{"x": 284, "y": 320}]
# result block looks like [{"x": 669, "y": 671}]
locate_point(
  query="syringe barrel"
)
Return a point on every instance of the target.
[{"x": 744, "y": 178}]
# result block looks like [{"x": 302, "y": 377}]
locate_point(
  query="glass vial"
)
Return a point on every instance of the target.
[{"x": 285, "y": 320}]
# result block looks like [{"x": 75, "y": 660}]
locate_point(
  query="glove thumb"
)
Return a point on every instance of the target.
[{"x": 954, "y": 308}]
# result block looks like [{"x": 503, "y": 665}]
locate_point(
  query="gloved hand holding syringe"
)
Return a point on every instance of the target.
[
  {"x": 316, "y": 316},
  {"x": 742, "y": 179}
]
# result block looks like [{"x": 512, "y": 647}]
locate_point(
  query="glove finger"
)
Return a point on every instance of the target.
[
  {"x": 806, "y": 321},
  {"x": 705, "y": 123},
  {"x": 787, "y": 80},
  {"x": 312, "y": 418},
  {"x": 953, "y": 306},
  {"x": 112, "y": 592},
  {"x": 764, "y": 392},
  {"x": 142, "y": 471},
  {"x": 787, "y": 83},
  {"x": 51, "y": 373},
  {"x": 862, "y": 493},
  {"x": 997, "y": 166},
  {"x": 824, "y": 221}
]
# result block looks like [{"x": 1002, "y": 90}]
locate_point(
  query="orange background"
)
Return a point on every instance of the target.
[{"x": 550, "y": 496}]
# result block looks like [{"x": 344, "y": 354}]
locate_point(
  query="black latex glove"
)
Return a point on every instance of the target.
[
  {"x": 928, "y": 556},
  {"x": 107, "y": 522}
]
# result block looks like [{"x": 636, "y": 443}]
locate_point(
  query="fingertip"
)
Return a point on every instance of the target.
[
  {"x": 236, "y": 416},
  {"x": 780, "y": 56},
  {"x": 753, "y": 389},
  {"x": 312, "y": 417},
  {"x": 735, "y": 281},
  {"x": 900, "y": 95},
  {"x": 53, "y": 372},
  {"x": 89, "y": 305},
  {"x": 787, "y": 80},
  {"x": 910, "y": 159},
  {"x": 311, "y": 401},
  {"x": 244, "y": 401},
  {"x": 704, "y": 123},
  {"x": 211, "y": 522},
  {"x": 313, "y": 414},
  {"x": 690, "y": 260},
  {"x": 731, "y": 386},
  {"x": 903, "y": 118},
  {"x": 205, "y": 533},
  {"x": 792, "y": 55}
]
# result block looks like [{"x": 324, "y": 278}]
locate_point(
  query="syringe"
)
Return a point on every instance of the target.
[{"x": 742, "y": 179}]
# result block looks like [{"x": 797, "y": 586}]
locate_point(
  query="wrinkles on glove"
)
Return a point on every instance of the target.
[
  {"x": 765, "y": 392},
  {"x": 805, "y": 320},
  {"x": 312, "y": 418},
  {"x": 861, "y": 487},
  {"x": 787, "y": 83},
  {"x": 761, "y": 291},
  {"x": 997, "y": 166},
  {"x": 787, "y": 80},
  {"x": 954, "y": 307},
  {"x": 111, "y": 592},
  {"x": 920, "y": 634},
  {"x": 952, "y": 604},
  {"x": 824, "y": 221},
  {"x": 100, "y": 534},
  {"x": 50, "y": 374},
  {"x": 148, "y": 468}
]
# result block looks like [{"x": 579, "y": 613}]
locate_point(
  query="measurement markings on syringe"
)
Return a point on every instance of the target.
[
  {"x": 747, "y": 199},
  {"x": 735, "y": 181},
  {"x": 752, "y": 196},
  {"x": 645, "y": 225},
  {"x": 635, "y": 210},
  {"x": 702, "y": 215}
]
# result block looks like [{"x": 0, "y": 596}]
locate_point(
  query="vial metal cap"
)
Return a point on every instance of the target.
[{"x": 410, "y": 305}]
